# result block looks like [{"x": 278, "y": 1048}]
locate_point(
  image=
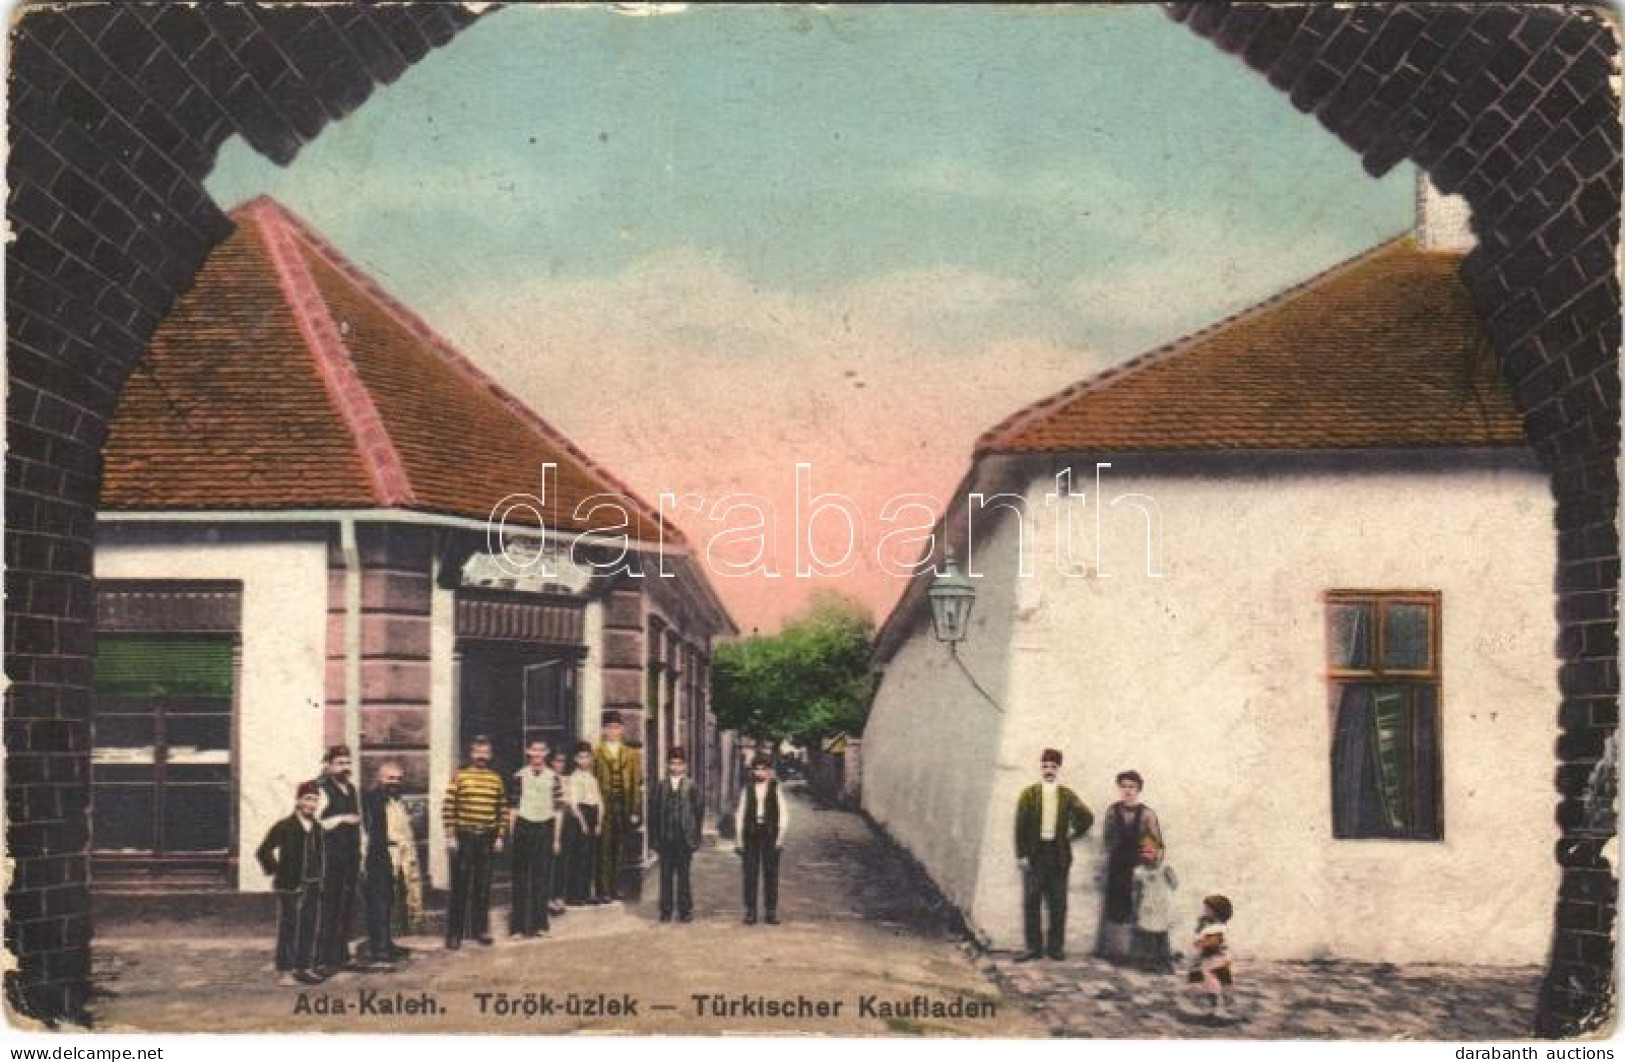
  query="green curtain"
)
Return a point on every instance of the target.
[{"x": 162, "y": 666}]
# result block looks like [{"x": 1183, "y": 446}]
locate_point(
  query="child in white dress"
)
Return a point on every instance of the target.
[{"x": 1154, "y": 885}]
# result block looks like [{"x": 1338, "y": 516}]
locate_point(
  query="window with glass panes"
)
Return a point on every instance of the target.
[
  {"x": 161, "y": 768},
  {"x": 1383, "y": 674},
  {"x": 162, "y": 761}
]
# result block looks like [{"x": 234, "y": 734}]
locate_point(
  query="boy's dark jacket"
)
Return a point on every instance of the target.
[
  {"x": 1072, "y": 820},
  {"x": 682, "y": 806},
  {"x": 282, "y": 855}
]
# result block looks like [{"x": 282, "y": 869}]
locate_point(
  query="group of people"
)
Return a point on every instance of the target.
[
  {"x": 563, "y": 818},
  {"x": 1137, "y": 915},
  {"x": 567, "y": 816},
  {"x": 337, "y": 847}
]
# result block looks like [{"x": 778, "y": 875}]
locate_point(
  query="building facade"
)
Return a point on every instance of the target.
[
  {"x": 1307, "y": 598},
  {"x": 295, "y": 551}
]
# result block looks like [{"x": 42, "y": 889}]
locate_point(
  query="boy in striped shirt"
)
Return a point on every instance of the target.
[{"x": 475, "y": 814}]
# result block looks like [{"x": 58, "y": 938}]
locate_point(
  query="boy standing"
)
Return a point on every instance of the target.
[
  {"x": 760, "y": 824},
  {"x": 291, "y": 855},
  {"x": 586, "y": 819},
  {"x": 674, "y": 831}
]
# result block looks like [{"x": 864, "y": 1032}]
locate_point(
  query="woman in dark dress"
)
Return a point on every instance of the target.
[{"x": 1128, "y": 822}]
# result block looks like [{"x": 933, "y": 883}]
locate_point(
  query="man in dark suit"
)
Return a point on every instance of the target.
[
  {"x": 291, "y": 855},
  {"x": 339, "y": 815},
  {"x": 760, "y": 824},
  {"x": 1049, "y": 816},
  {"x": 383, "y": 817},
  {"x": 674, "y": 830}
]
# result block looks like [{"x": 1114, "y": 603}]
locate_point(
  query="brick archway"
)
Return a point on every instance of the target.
[
  {"x": 1509, "y": 106},
  {"x": 116, "y": 116}
]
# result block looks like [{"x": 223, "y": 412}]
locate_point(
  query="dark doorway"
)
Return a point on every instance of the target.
[{"x": 512, "y": 694}]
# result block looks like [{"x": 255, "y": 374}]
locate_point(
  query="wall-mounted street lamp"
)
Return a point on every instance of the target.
[{"x": 952, "y": 596}]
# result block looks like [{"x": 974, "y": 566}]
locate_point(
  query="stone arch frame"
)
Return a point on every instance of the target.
[
  {"x": 1511, "y": 107},
  {"x": 116, "y": 117}
]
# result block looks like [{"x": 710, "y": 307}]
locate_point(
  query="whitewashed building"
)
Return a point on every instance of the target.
[
  {"x": 292, "y": 551},
  {"x": 1314, "y": 611}
]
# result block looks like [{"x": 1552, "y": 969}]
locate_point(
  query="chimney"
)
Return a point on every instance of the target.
[{"x": 1443, "y": 222}]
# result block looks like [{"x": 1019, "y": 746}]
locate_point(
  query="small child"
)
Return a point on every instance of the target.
[
  {"x": 1211, "y": 955},
  {"x": 1154, "y": 885}
]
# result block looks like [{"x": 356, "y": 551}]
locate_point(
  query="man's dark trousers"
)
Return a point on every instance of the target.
[
  {"x": 341, "y": 876},
  {"x": 761, "y": 863},
  {"x": 675, "y": 859},
  {"x": 297, "y": 913},
  {"x": 532, "y": 875},
  {"x": 1045, "y": 884},
  {"x": 378, "y": 888},
  {"x": 469, "y": 911}
]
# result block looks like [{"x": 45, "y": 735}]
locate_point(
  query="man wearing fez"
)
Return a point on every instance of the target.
[
  {"x": 390, "y": 848},
  {"x": 760, "y": 823},
  {"x": 339, "y": 815},
  {"x": 674, "y": 832},
  {"x": 619, "y": 770},
  {"x": 1049, "y": 816},
  {"x": 475, "y": 812},
  {"x": 292, "y": 855}
]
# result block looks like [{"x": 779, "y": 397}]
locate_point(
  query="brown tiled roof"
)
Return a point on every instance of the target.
[
  {"x": 286, "y": 379},
  {"x": 1384, "y": 351}
]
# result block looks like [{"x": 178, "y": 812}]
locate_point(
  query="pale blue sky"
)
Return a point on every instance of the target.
[{"x": 888, "y": 227}]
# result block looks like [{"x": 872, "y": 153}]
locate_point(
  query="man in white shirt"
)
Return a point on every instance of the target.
[
  {"x": 534, "y": 825},
  {"x": 760, "y": 824},
  {"x": 1048, "y": 817}
]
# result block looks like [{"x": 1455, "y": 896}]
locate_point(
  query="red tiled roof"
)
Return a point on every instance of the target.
[
  {"x": 1384, "y": 351},
  {"x": 286, "y": 379}
]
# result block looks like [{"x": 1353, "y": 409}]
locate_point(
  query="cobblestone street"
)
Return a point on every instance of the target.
[
  {"x": 1278, "y": 1000},
  {"x": 854, "y": 927}
]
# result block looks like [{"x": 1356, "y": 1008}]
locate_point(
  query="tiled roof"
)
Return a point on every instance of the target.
[
  {"x": 286, "y": 379},
  {"x": 1384, "y": 351}
]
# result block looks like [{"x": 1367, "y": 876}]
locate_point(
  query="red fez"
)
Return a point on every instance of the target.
[{"x": 1051, "y": 756}]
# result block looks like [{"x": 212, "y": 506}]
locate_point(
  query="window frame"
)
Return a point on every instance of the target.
[{"x": 1336, "y": 678}]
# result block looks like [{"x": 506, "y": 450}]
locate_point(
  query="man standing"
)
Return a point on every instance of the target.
[
  {"x": 475, "y": 811},
  {"x": 760, "y": 824},
  {"x": 619, "y": 771},
  {"x": 1049, "y": 816},
  {"x": 534, "y": 824},
  {"x": 339, "y": 815},
  {"x": 390, "y": 845},
  {"x": 292, "y": 855},
  {"x": 674, "y": 831}
]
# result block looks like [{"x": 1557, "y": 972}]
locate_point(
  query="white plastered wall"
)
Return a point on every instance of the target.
[
  {"x": 1210, "y": 681},
  {"x": 929, "y": 748},
  {"x": 280, "y": 686}
]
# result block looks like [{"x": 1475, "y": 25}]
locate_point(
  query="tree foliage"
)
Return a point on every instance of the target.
[{"x": 806, "y": 683}]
